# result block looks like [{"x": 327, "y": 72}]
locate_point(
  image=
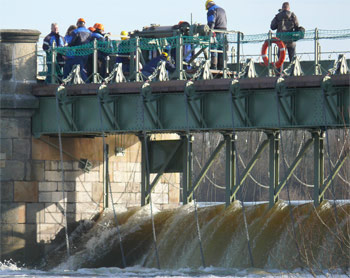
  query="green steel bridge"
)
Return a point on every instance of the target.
[{"x": 308, "y": 95}]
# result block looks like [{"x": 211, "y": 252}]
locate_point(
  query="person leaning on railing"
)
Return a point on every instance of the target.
[
  {"x": 49, "y": 40},
  {"x": 80, "y": 36},
  {"x": 286, "y": 21}
]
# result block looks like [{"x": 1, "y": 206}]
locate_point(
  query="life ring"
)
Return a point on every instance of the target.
[{"x": 282, "y": 51}]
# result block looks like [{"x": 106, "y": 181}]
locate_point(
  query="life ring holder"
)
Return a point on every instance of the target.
[{"x": 282, "y": 51}]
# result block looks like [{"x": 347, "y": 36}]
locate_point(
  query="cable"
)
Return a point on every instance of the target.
[
  {"x": 148, "y": 173},
  {"x": 186, "y": 98},
  {"x": 108, "y": 182},
  {"x": 238, "y": 182},
  {"x": 62, "y": 170}
]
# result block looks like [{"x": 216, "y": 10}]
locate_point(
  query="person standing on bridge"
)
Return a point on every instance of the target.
[
  {"x": 217, "y": 20},
  {"x": 286, "y": 21},
  {"x": 53, "y": 38}
]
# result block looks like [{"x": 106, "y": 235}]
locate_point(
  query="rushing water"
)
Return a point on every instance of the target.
[{"x": 315, "y": 244}]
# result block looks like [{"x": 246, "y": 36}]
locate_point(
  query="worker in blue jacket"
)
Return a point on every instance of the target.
[
  {"x": 53, "y": 38},
  {"x": 80, "y": 36},
  {"x": 217, "y": 20},
  {"x": 151, "y": 66}
]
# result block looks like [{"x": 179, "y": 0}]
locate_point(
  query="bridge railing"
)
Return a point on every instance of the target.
[{"x": 190, "y": 54}]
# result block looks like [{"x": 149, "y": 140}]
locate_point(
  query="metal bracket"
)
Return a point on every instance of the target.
[
  {"x": 159, "y": 72},
  {"x": 117, "y": 75},
  {"x": 285, "y": 107},
  {"x": 294, "y": 68},
  {"x": 192, "y": 97},
  {"x": 203, "y": 71},
  {"x": 64, "y": 101},
  {"x": 340, "y": 66},
  {"x": 148, "y": 97},
  {"x": 248, "y": 70},
  {"x": 235, "y": 90},
  {"x": 105, "y": 99},
  {"x": 74, "y": 77}
]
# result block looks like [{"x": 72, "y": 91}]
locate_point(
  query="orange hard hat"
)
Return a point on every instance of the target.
[
  {"x": 99, "y": 26},
  {"x": 81, "y": 20},
  {"x": 92, "y": 29}
]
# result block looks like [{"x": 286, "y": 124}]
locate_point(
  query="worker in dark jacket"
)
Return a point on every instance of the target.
[
  {"x": 53, "y": 38},
  {"x": 216, "y": 20},
  {"x": 151, "y": 66},
  {"x": 80, "y": 36},
  {"x": 286, "y": 21}
]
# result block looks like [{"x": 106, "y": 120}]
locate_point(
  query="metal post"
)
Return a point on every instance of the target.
[
  {"x": 145, "y": 177},
  {"x": 270, "y": 53},
  {"x": 187, "y": 170},
  {"x": 225, "y": 56},
  {"x": 231, "y": 177},
  {"x": 238, "y": 52},
  {"x": 274, "y": 166},
  {"x": 318, "y": 166},
  {"x": 317, "y": 53},
  {"x": 53, "y": 62},
  {"x": 179, "y": 58},
  {"x": 105, "y": 177},
  {"x": 94, "y": 63}
]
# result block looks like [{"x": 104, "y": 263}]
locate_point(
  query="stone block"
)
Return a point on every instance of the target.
[
  {"x": 87, "y": 208},
  {"x": 133, "y": 187},
  {"x": 83, "y": 187},
  {"x": 13, "y": 170},
  {"x": 158, "y": 198},
  {"x": 58, "y": 196},
  {"x": 68, "y": 186},
  {"x": 73, "y": 176},
  {"x": 118, "y": 187},
  {"x": 6, "y": 191},
  {"x": 48, "y": 186},
  {"x": 21, "y": 149},
  {"x": 50, "y": 207},
  {"x": 83, "y": 197},
  {"x": 45, "y": 197},
  {"x": 97, "y": 192},
  {"x": 53, "y": 176},
  {"x": 92, "y": 176},
  {"x": 128, "y": 167},
  {"x": 13, "y": 213},
  {"x": 2, "y": 163},
  {"x": 161, "y": 188},
  {"x": 51, "y": 165},
  {"x": 26, "y": 192},
  {"x": 54, "y": 218},
  {"x": 35, "y": 213},
  {"x": 5, "y": 148},
  {"x": 9, "y": 128},
  {"x": 37, "y": 170},
  {"x": 25, "y": 128}
]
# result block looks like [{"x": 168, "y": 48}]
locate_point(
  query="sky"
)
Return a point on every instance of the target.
[{"x": 249, "y": 16}]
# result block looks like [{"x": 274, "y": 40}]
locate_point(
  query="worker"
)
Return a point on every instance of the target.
[
  {"x": 124, "y": 57},
  {"x": 53, "y": 38},
  {"x": 151, "y": 66},
  {"x": 80, "y": 36},
  {"x": 217, "y": 20},
  {"x": 286, "y": 21},
  {"x": 98, "y": 32}
]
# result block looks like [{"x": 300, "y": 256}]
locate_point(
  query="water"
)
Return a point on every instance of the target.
[{"x": 322, "y": 241}]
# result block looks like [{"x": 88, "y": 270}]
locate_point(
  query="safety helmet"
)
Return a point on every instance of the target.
[
  {"x": 124, "y": 35},
  {"x": 92, "y": 29},
  {"x": 99, "y": 26},
  {"x": 81, "y": 20},
  {"x": 206, "y": 3}
]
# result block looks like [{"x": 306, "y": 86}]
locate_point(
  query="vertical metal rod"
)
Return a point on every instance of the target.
[
  {"x": 318, "y": 166},
  {"x": 105, "y": 177},
  {"x": 270, "y": 53},
  {"x": 187, "y": 171},
  {"x": 225, "y": 56},
  {"x": 238, "y": 52},
  {"x": 274, "y": 167},
  {"x": 94, "y": 63},
  {"x": 144, "y": 173},
  {"x": 317, "y": 52},
  {"x": 230, "y": 167},
  {"x": 179, "y": 57},
  {"x": 53, "y": 63}
]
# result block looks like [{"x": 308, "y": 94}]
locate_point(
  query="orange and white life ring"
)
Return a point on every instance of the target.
[{"x": 282, "y": 52}]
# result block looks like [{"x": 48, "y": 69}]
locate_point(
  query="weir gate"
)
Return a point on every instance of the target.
[
  {"x": 239, "y": 97},
  {"x": 244, "y": 96}
]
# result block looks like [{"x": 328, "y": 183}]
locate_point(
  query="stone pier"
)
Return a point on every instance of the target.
[{"x": 32, "y": 200}]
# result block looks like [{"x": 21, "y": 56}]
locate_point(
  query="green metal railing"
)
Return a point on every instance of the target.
[{"x": 135, "y": 47}]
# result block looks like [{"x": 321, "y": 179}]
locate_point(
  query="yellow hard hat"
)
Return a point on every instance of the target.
[
  {"x": 124, "y": 35},
  {"x": 206, "y": 3},
  {"x": 165, "y": 54}
]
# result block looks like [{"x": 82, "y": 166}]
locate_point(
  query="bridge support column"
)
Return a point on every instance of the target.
[
  {"x": 231, "y": 177},
  {"x": 318, "y": 166},
  {"x": 187, "y": 166},
  {"x": 274, "y": 160},
  {"x": 105, "y": 176},
  {"x": 145, "y": 172}
]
